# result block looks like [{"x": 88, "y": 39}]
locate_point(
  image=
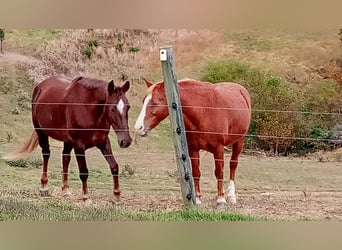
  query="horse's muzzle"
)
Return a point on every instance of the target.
[
  {"x": 142, "y": 133},
  {"x": 125, "y": 143}
]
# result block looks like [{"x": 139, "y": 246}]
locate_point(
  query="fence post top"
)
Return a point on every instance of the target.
[{"x": 166, "y": 47}]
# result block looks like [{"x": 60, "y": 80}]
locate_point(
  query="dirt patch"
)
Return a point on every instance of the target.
[{"x": 15, "y": 58}]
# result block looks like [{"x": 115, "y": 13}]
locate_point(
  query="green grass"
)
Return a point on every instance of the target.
[
  {"x": 28, "y": 40},
  {"x": 47, "y": 209},
  {"x": 253, "y": 41},
  {"x": 15, "y": 98}
]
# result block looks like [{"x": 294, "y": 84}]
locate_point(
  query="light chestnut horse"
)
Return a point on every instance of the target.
[
  {"x": 215, "y": 116},
  {"x": 78, "y": 112}
]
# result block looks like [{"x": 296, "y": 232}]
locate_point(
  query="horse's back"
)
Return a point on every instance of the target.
[
  {"x": 231, "y": 113},
  {"x": 51, "y": 89},
  {"x": 59, "y": 103},
  {"x": 234, "y": 93}
]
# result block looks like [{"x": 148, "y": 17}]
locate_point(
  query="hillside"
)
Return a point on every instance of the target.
[
  {"x": 295, "y": 70},
  {"x": 301, "y": 58}
]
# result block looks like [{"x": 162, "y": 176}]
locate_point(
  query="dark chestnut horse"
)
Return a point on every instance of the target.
[
  {"x": 215, "y": 115},
  {"x": 78, "y": 112}
]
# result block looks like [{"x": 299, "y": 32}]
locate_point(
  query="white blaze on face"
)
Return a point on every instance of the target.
[
  {"x": 120, "y": 106},
  {"x": 139, "y": 124}
]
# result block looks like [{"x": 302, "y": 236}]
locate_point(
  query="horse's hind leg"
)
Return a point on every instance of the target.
[
  {"x": 219, "y": 173},
  {"x": 66, "y": 160},
  {"x": 44, "y": 144},
  {"x": 236, "y": 150}
]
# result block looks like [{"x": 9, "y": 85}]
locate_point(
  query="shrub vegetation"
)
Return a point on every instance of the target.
[{"x": 283, "y": 114}]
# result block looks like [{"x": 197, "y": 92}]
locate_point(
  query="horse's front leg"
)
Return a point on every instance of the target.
[
  {"x": 196, "y": 173},
  {"x": 83, "y": 170},
  {"x": 65, "y": 161},
  {"x": 219, "y": 173},
  {"x": 106, "y": 150}
]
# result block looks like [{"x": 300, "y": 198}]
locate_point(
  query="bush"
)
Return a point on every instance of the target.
[
  {"x": 273, "y": 99},
  {"x": 231, "y": 71},
  {"x": 92, "y": 43},
  {"x": 322, "y": 101},
  {"x": 88, "y": 51},
  {"x": 25, "y": 163},
  {"x": 134, "y": 49}
]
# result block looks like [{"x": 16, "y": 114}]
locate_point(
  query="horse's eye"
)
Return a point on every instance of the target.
[{"x": 112, "y": 109}]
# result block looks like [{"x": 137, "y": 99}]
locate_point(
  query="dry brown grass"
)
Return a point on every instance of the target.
[
  {"x": 292, "y": 55},
  {"x": 108, "y": 60},
  {"x": 112, "y": 57},
  {"x": 296, "y": 56},
  {"x": 327, "y": 156}
]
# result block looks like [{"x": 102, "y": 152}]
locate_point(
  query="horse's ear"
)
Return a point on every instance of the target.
[
  {"x": 148, "y": 83},
  {"x": 125, "y": 86},
  {"x": 111, "y": 87}
]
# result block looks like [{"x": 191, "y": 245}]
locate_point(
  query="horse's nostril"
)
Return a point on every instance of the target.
[{"x": 125, "y": 143}]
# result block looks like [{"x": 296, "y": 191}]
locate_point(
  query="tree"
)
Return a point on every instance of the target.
[{"x": 2, "y": 37}]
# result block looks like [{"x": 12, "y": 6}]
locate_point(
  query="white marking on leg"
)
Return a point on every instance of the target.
[
  {"x": 231, "y": 192},
  {"x": 120, "y": 106},
  {"x": 139, "y": 124},
  {"x": 221, "y": 200},
  {"x": 66, "y": 192},
  {"x": 198, "y": 201}
]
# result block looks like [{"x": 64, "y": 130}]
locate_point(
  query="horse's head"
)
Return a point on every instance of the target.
[
  {"x": 154, "y": 108},
  {"x": 116, "y": 108}
]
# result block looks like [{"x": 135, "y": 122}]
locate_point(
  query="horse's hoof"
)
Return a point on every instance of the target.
[
  {"x": 85, "y": 197},
  {"x": 117, "y": 198},
  {"x": 44, "y": 192},
  {"x": 221, "y": 202},
  {"x": 66, "y": 193},
  {"x": 198, "y": 201},
  {"x": 87, "y": 202},
  {"x": 232, "y": 199}
]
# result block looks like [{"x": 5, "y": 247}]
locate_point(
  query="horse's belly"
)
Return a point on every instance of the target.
[{"x": 206, "y": 139}]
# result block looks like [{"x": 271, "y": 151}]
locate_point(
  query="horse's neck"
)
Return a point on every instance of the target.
[{"x": 102, "y": 121}]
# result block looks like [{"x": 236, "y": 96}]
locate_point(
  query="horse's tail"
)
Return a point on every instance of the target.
[{"x": 28, "y": 147}]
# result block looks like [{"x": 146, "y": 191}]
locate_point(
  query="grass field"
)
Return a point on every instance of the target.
[
  {"x": 268, "y": 188},
  {"x": 272, "y": 188}
]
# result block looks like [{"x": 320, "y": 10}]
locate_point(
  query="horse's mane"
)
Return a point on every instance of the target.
[
  {"x": 82, "y": 84},
  {"x": 87, "y": 82},
  {"x": 161, "y": 84}
]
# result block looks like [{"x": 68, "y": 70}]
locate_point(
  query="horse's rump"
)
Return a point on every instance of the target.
[{"x": 218, "y": 111}]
